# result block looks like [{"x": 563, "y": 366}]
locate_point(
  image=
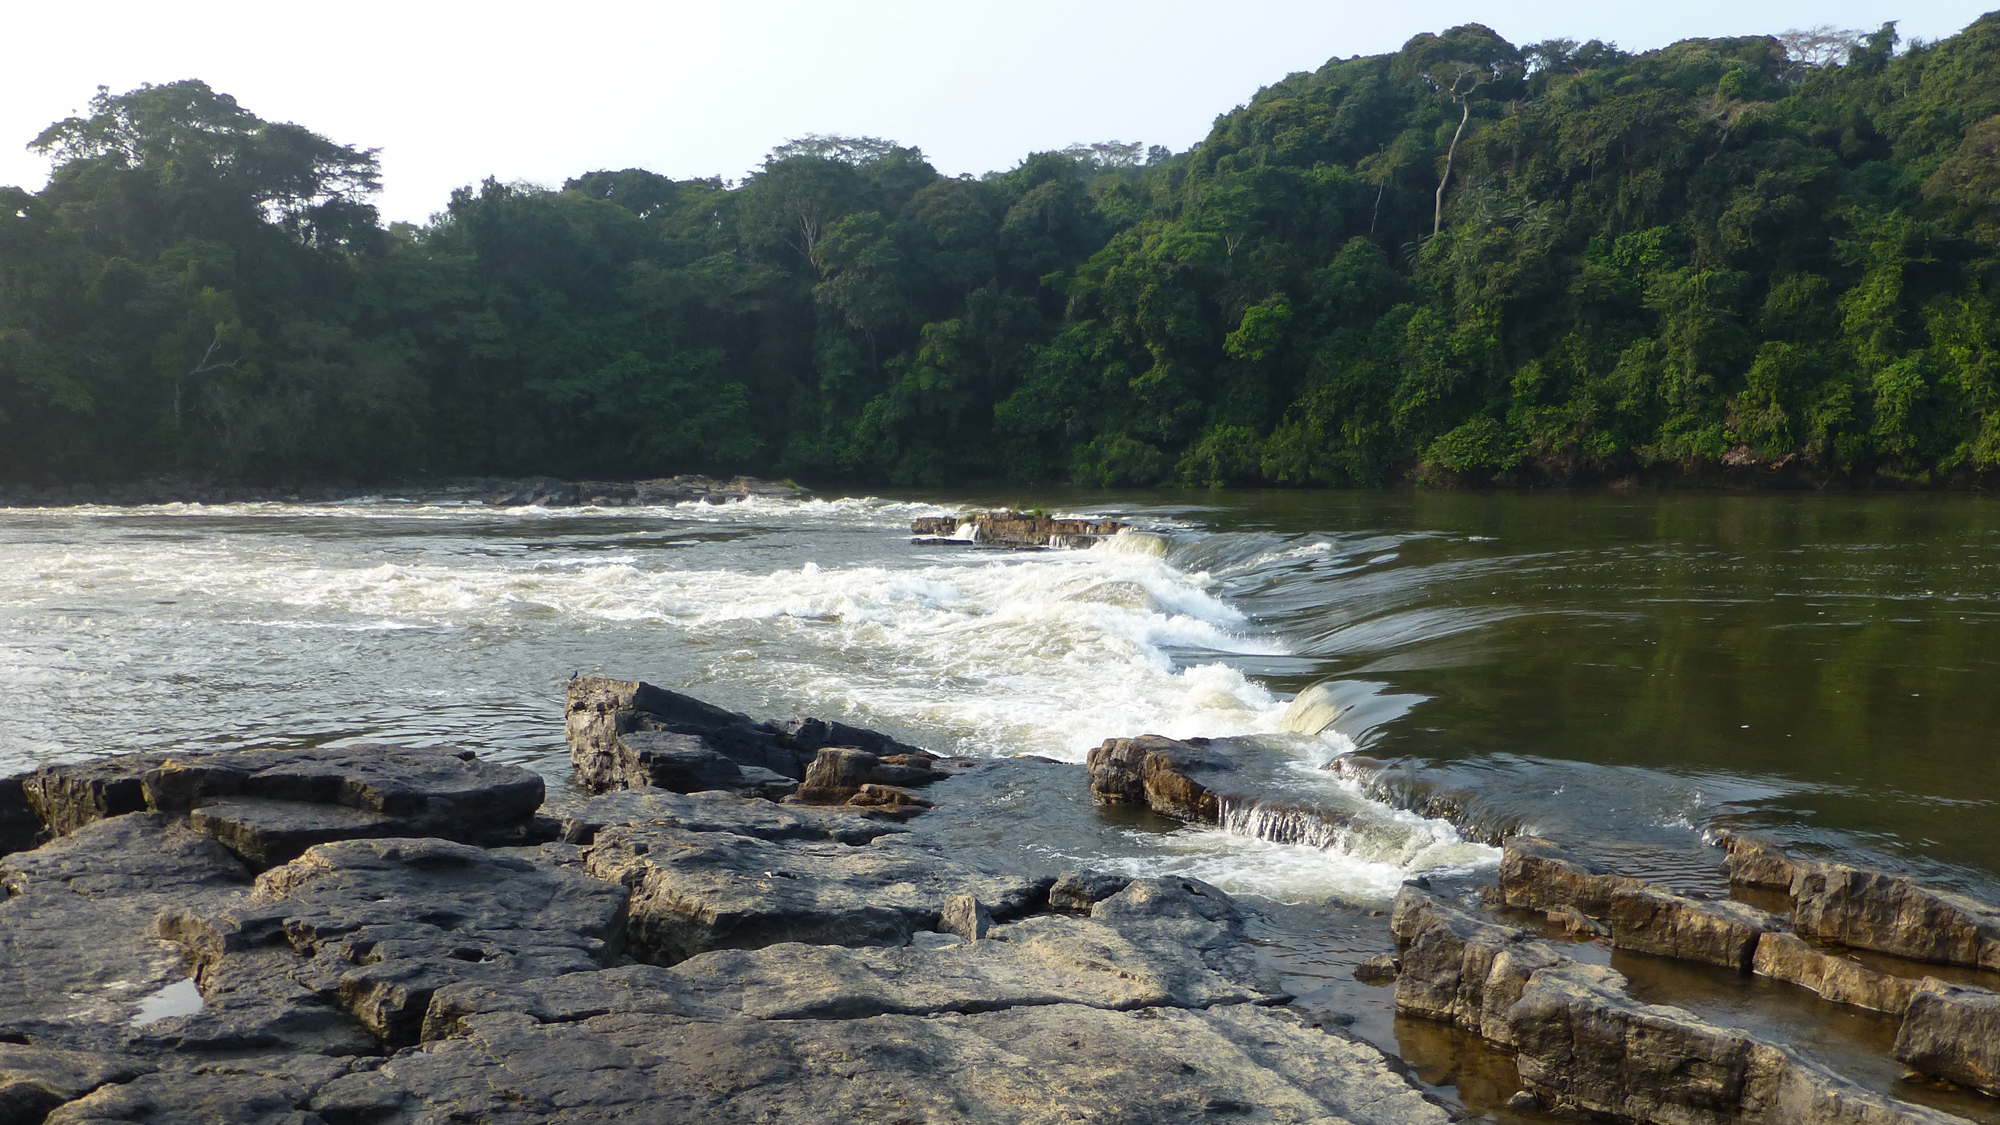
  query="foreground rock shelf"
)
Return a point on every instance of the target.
[{"x": 389, "y": 935}]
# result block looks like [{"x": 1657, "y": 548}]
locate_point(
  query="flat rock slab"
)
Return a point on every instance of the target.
[
  {"x": 270, "y": 1090},
  {"x": 1953, "y": 1032},
  {"x": 697, "y": 891},
  {"x": 725, "y": 812},
  {"x": 1046, "y": 1063},
  {"x": 377, "y": 926},
  {"x": 1166, "y": 952},
  {"x": 77, "y": 944}
]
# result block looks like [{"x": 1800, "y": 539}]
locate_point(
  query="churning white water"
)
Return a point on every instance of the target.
[{"x": 255, "y": 624}]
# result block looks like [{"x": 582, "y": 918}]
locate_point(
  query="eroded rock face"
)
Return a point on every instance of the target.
[
  {"x": 1890, "y": 914},
  {"x": 1539, "y": 874},
  {"x": 1788, "y": 957},
  {"x": 697, "y": 891},
  {"x": 1716, "y": 931},
  {"x": 1459, "y": 969},
  {"x": 1952, "y": 1031},
  {"x": 1587, "y": 1047},
  {"x": 378, "y": 926},
  {"x": 1155, "y": 772}
]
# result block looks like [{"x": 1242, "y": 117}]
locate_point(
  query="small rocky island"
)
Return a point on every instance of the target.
[{"x": 733, "y": 921}]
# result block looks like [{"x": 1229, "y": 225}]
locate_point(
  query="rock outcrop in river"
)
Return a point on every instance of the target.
[
  {"x": 362, "y": 936},
  {"x": 1016, "y": 529}
]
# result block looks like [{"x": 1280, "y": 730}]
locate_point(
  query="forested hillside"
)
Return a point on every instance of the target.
[{"x": 1759, "y": 258}]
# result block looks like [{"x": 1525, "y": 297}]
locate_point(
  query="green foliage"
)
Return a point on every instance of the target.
[{"x": 1464, "y": 262}]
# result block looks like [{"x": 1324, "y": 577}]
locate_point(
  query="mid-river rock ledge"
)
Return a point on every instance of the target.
[
  {"x": 1015, "y": 529},
  {"x": 454, "y": 953}
]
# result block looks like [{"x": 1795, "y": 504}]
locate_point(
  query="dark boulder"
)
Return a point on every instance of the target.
[
  {"x": 1155, "y": 772},
  {"x": 1081, "y": 890},
  {"x": 839, "y": 774},
  {"x": 602, "y": 714}
]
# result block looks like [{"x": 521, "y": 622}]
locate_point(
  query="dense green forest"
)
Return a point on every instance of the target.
[{"x": 1760, "y": 258}]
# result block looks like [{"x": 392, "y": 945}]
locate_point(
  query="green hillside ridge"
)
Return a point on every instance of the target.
[{"x": 1758, "y": 259}]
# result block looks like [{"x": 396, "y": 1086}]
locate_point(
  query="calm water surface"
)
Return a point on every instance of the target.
[{"x": 1634, "y": 669}]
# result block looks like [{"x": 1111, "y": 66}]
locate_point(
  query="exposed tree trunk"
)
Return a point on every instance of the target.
[{"x": 1437, "y": 213}]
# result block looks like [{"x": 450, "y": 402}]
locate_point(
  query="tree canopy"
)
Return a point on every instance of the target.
[{"x": 1768, "y": 257}]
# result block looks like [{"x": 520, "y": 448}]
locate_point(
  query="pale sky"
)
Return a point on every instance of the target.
[{"x": 452, "y": 93}]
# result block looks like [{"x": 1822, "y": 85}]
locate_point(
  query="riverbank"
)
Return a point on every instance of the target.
[
  {"x": 731, "y": 919},
  {"x": 545, "y": 492}
]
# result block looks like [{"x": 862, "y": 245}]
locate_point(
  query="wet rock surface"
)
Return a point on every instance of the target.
[{"x": 1538, "y": 874}]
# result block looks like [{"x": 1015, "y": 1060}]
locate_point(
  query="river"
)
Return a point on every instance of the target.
[{"x": 1641, "y": 669}]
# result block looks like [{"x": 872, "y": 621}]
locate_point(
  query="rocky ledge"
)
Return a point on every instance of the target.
[
  {"x": 1583, "y": 1044},
  {"x": 730, "y": 922},
  {"x": 1019, "y": 530}
]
